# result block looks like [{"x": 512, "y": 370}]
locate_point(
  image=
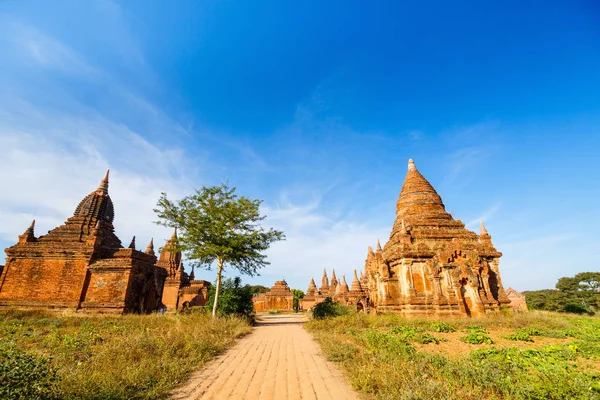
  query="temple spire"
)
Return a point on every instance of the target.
[
  {"x": 484, "y": 231},
  {"x": 150, "y": 248},
  {"x": 378, "y": 245},
  {"x": 28, "y": 235},
  {"x": 343, "y": 286},
  {"x": 192, "y": 276},
  {"x": 324, "y": 281},
  {"x": 312, "y": 287},
  {"x": 132, "y": 244},
  {"x": 356, "y": 283},
  {"x": 418, "y": 198},
  {"x": 411, "y": 165},
  {"x": 30, "y": 229},
  {"x": 103, "y": 187}
]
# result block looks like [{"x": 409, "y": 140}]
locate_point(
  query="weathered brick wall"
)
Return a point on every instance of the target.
[
  {"x": 126, "y": 282},
  {"x": 49, "y": 281},
  {"x": 170, "y": 297}
]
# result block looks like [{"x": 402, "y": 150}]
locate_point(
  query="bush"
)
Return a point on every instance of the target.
[
  {"x": 24, "y": 376},
  {"x": 477, "y": 335},
  {"x": 328, "y": 308},
  {"x": 576, "y": 308},
  {"x": 234, "y": 299}
]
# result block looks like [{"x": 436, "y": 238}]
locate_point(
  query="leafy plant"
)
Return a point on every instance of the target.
[
  {"x": 442, "y": 327},
  {"x": 477, "y": 337},
  {"x": 414, "y": 334},
  {"x": 519, "y": 336}
]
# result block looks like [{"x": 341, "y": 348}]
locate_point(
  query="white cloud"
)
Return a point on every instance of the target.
[
  {"x": 485, "y": 216},
  {"x": 58, "y": 159},
  {"x": 315, "y": 241}
]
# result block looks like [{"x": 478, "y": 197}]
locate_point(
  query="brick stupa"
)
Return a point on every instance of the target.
[
  {"x": 280, "y": 298},
  {"x": 432, "y": 265}
]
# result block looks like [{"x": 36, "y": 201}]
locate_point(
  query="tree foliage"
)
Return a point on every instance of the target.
[
  {"x": 298, "y": 295},
  {"x": 234, "y": 298},
  {"x": 256, "y": 289},
  {"x": 218, "y": 226},
  {"x": 579, "y": 294}
]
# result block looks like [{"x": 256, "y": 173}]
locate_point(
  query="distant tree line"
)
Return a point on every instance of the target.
[{"x": 579, "y": 294}]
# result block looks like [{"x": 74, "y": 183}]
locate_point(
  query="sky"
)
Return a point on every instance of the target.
[{"x": 314, "y": 107}]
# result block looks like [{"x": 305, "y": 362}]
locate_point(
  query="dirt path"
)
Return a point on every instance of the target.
[{"x": 279, "y": 360}]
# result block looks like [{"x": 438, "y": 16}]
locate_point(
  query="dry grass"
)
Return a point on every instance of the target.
[{"x": 119, "y": 357}]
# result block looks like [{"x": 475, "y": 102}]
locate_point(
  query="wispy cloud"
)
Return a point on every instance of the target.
[{"x": 485, "y": 216}]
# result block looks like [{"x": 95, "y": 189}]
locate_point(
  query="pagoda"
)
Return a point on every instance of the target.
[{"x": 432, "y": 265}]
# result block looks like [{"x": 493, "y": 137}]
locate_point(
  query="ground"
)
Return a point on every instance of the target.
[{"x": 279, "y": 360}]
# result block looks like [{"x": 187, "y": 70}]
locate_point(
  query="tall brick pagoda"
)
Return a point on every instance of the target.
[
  {"x": 433, "y": 265},
  {"x": 82, "y": 265}
]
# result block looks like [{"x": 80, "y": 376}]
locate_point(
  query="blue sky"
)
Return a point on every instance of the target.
[{"x": 314, "y": 107}]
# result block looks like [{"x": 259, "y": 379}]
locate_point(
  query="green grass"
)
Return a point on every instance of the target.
[
  {"x": 108, "y": 357},
  {"x": 384, "y": 360}
]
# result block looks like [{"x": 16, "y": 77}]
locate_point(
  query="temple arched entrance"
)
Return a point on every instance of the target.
[{"x": 360, "y": 307}]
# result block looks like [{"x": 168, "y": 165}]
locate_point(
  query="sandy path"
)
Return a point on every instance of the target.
[{"x": 278, "y": 360}]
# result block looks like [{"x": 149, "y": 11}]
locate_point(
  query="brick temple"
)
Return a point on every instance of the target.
[
  {"x": 82, "y": 265},
  {"x": 430, "y": 266},
  {"x": 279, "y": 298}
]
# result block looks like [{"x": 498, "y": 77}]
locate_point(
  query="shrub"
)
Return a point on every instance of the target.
[
  {"x": 234, "y": 299},
  {"x": 275, "y": 311},
  {"x": 476, "y": 337},
  {"x": 24, "y": 376},
  {"x": 576, "y": 308},
  {"x": 328, "y": 308}
]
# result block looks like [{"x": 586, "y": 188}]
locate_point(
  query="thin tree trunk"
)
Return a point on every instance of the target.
[{"x": 219, "y": 272}]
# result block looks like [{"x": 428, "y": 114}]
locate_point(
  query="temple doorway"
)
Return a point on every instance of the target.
[
  {"x": 360, "y": 307},
  {"x": 466, "y": 298}
]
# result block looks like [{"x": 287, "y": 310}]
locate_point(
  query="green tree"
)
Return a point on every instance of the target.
[
  {"x": 581, "y": 291},
  {"x": 298, "y": 294},
  {"x": 218, "y": 226}
]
